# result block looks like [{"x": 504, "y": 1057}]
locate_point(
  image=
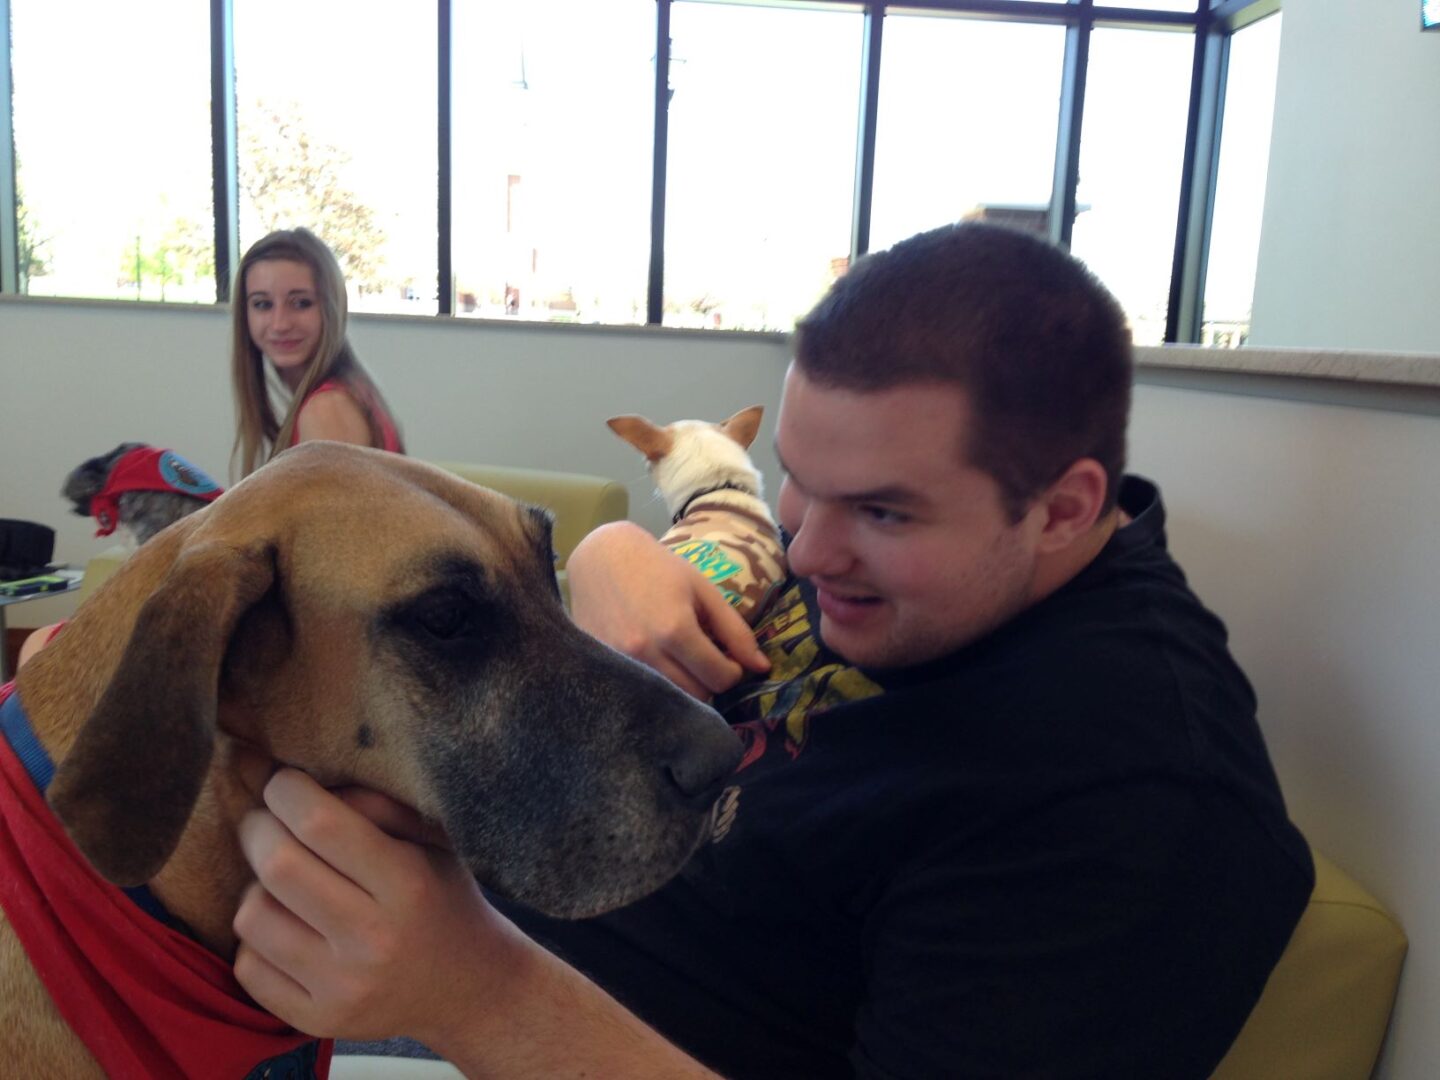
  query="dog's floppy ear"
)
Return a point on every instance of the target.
[
  {"x": 743, "y": 426},
  {"x": 650, "y": 439},
  {"x": 126, "y": 788}
]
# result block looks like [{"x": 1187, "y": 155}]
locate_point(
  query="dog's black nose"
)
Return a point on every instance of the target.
[{"x": 707, "y": 755}]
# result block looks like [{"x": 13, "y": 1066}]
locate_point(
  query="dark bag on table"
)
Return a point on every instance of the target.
[{"x": 26, "y": 548}]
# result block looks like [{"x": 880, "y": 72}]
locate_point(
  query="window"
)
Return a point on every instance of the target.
[
  {"x": 1132, "y": 148},
  {"x": 1154, "y": 5},
  {"x": 553, "y": 122},
  {"x": 1240, "y": 185},
  {"x": 552, "y": 106},
  {"x": 335, "y": 105},
  {"x": 761, "y": 162},
  {"x": 966, "y": 126},
  {"x": 113, "y": 165}
]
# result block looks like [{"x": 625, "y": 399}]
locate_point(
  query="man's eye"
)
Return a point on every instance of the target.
[{"x": 883, "y": 515}]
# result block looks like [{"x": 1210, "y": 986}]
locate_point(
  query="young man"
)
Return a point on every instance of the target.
[{"x": 1004, "y": 808}]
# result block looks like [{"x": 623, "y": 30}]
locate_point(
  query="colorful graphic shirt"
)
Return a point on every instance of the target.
[{"x": 805, "y": 680}]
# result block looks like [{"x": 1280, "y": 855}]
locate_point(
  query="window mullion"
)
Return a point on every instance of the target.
[
  {"x": 9, "y": 208},
  {"x": 223, "y": 142},
  {"x": 1197, "y": 185},
  {"x": 1067, "y": 134},
  {"x": 869, "y": 118},
  {"x": 655, "y": 302},
  {"x": 445, "y": 93}
]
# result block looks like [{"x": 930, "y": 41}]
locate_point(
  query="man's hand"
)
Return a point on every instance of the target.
[
  {"x": 637, "y": 597},
  {"x": 352, "y": 932}
]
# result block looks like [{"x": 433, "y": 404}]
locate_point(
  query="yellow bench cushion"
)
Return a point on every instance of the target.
[
  {"x": 578, "y": 501},
  {"x": 1325, "y": 1008}
]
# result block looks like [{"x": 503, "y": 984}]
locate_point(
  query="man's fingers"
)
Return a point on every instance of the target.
[
  {"x": 730, "y": 631},
  {"x": 682, "y": 678},
  {"x": 294, "y": 868},
  {"x": 394, "y": 818},
  {"x": 272, "y": 989},
  {"x": 274, "y": 941},
  {"x": 703, "y": 664}
]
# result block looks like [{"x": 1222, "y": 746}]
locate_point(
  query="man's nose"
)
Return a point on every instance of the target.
[{"x": 818, "y": 546}]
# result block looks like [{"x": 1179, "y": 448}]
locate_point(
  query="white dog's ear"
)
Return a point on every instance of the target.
[
  {"x": 743, "y": 426},
  {"x": 650, "y": 439}
]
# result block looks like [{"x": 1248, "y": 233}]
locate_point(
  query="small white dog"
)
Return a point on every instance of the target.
[{"x": 720, "y": 523}]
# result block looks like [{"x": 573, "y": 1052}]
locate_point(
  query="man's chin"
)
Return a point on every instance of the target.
[{"x": 858, "y": 648}]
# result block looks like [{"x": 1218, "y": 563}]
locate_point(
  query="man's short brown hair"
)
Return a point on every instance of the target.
[{"x": 1040, "y": 347}]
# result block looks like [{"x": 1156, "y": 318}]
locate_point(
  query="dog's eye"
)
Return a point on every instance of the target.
[{"x": 444, "y": 615}]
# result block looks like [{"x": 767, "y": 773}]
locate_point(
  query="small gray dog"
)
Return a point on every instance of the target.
[{"x": 139, "y": 489}]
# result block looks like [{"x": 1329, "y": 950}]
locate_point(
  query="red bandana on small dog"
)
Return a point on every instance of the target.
[
  {"x": 146, "y": 1000},
  {"x": 149, "y": 469}
]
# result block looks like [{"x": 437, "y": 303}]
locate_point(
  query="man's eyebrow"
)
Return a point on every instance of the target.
[
  {"x": 891, "y": 495},
  {"x": 888, "y": 495}
]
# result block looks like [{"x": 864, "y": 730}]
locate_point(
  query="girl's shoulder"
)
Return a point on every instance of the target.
[
  {"x": 341, "y": 417},
  {"x": 330, "y": 384}
]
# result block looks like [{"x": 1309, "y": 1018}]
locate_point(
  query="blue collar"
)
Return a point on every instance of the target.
[{"x": 21, "y": 736}]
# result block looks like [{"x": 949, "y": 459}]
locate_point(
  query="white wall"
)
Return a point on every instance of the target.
[
  {"x": 1352, "y": 223},
  {"x": 1311, "y": 529}
]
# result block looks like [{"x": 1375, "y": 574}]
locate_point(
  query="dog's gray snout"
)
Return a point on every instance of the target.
[{"x": 703, "y": 763}]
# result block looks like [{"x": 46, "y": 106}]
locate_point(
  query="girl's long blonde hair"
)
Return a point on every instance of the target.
[{"x": 260, "y": 434}]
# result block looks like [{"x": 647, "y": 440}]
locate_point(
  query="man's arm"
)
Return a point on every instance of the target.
[
  {"x": 356, "y": 933},
  {"x": 632, "y": 593}
]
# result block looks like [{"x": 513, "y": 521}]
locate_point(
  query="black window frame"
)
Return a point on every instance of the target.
[{"x": 1212, "y": 23}]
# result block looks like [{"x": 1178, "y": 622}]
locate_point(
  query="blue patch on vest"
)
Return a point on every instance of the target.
[{"x": 184, "y": 477}]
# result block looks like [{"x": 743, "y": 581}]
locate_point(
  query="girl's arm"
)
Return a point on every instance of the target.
[{"x": 335, "y": 415}]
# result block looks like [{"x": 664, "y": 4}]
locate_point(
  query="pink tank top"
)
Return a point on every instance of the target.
[{"x": 389, "y": 434}]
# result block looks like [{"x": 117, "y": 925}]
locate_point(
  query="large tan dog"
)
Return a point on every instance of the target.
[{"x": 371, "y": 620}]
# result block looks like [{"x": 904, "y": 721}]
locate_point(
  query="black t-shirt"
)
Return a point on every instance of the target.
[{"x": 1058, "y": 852}]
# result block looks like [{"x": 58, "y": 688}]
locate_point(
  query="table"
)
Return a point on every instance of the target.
[{"x": 72, "y": 575}]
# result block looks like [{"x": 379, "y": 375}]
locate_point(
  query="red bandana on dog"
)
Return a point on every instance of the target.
[
  {"x": 146, "y": 1000},
  {"x": 149, "y": 469}
]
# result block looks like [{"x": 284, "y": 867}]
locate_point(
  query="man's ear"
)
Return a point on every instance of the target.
[{"x": 1071, "y": 505}]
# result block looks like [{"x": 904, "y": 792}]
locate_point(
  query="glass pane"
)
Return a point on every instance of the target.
[
  {"x": 967, "y": 124},
  {"x": 1240, "y": 186},
  {"x": 112, "y": 144},
  {"x": 1132, "y": 147},
  {"x": 1149, "y": 5},
  {"x": 336, "y": 115},
  {"x": 761, "y": 162},
  {"x": 553, "y": 122}
]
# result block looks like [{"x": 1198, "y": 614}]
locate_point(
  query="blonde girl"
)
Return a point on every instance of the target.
[{"x": 289, "y": 348}]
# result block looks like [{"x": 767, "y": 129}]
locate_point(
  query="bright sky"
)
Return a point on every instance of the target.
[{"x": 762, "y": 138}]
